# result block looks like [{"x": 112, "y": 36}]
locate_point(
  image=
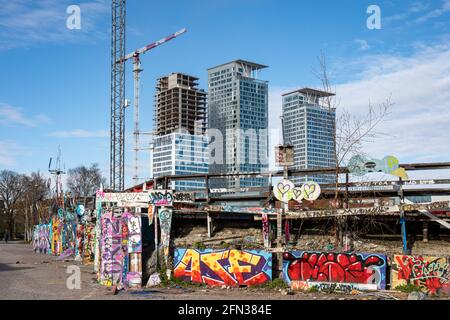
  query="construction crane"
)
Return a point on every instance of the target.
[
  {"x": 118, "y": 24},
  {"x": 137, "y": 70}
]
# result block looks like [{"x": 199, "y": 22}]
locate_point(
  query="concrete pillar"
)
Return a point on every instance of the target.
[
  {"x": 209, "y": 223},
  {"x": 425, "y": 231}
]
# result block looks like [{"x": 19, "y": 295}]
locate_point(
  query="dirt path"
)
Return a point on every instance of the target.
[{"x": 28, "y": 275}]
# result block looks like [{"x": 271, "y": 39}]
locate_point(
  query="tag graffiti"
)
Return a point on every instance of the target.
[{"x": 430, "y": 274}]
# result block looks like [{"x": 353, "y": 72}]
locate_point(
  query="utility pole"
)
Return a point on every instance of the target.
[
  {"x": 57, "y": 172},
  {"x": 285, "y": 161},
  {"x": 403, "y": 218}
]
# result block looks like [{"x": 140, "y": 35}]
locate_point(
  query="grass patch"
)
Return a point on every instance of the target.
[
  {"x": 274, "y": 284},
  {"x": 165, "y": 282},
  {"x": 199, "y": 245},
  {"x": 407, "y": 288},
  {"x": 312, "y": 289}
]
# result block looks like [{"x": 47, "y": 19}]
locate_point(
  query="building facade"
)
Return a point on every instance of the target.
[
  {"x": 237, "y": 123},
  {"x": 180, "y": 144},
  {"x": 308, "y": 125}
]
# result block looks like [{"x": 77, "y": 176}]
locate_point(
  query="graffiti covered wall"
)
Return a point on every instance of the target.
[
  {"x": 41, "y": 238},
  {"x": 362, "y": 268},
  {"x": 223, "y": 267},
  {"x": 431, "y": 274},
  {"x": 88, "y": 244},
  {"x": 111, "y": 266}
]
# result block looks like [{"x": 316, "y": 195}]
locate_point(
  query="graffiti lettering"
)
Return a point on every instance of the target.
[
  {"x": 334, "y": 267},
  {"x": 161, "y": 198},
  {"x": 223, "y": 267},
  {"x": 331, "y": 286},
  {"x": 184, "y": 197},
  {"x": 431, "y": 274}
]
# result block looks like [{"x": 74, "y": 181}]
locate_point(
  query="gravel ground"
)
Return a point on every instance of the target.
[{"x": 28, "y": 275}]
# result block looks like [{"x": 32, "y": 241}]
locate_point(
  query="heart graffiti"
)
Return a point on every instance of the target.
[
  {"x": 297, "y": 194},
  {"x": 283, "y": 190},
  {"x": 310, "y": 190}
]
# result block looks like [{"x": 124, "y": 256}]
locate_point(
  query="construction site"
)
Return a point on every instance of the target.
[{"x": 366, "y": 229}]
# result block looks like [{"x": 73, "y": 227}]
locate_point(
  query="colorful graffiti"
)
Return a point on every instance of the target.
[
  {"x": 285, "y": 190},
  {"x": 111, "y": 268},
  {"x": 161, "y": 198},
  {"x": 165, "y": 220},
  {"x": 88, "y": 244},
  {"x": 80, "y": 242},
  {"x": 223, "y": 267},
  {"x": 431, "y": 274},
  {"x": 335, "y": 267},
  {"x": 134, "y": 234},
  {"x": 360, "y": 165},
  {"x": 41, "y": 238},
  {"x": 266, "y": 230},
  {"x": 332, "y": 286},
  {"x": 310, "y": 191},
  {"x": 56, "y": 239}
]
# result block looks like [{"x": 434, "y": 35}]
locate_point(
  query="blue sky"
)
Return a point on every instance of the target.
[{"x": 55, "y": 81}]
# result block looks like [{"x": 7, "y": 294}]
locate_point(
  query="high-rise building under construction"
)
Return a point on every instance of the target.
[{"x": 180, "y": 144}]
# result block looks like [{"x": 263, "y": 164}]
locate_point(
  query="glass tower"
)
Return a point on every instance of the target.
[
  {"x": 308, "y": 125},
  {"x": 238, "y": 111}
]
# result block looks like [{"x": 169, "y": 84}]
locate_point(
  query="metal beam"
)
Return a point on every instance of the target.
[{"x": 117, "y": 136}]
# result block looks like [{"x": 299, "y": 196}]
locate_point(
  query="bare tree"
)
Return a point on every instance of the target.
[
  {"x": 12, "y": 188},
  {"x": 350, "y": 132},
  {"x": 84, "y": 181},
  {"x": 37, "y": 190}
]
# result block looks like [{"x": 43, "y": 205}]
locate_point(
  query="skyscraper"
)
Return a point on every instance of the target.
[
  {"x": 180, "y": 143},
  {"x": 309, "y": 126},
  {"x": 238, "y": 109}
]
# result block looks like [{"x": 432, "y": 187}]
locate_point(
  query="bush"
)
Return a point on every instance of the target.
[
  {"x": 274, "y": 284},
  {"x": 199, "y": 245},
  {"x": 407, "y": 288}
]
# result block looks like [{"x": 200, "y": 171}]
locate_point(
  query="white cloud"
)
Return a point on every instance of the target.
[
  {"x": 24, "y": 23},
  {"x": 420, "y": 90},
  {"x": 444, "y": 8},
  {"x": 80, "y": 133},
  {"x": 363, "y": 44},
  {"x": 8, "y": 152},
  {"x": 10, "y": 115},
  {"x": 415, "y": 8},
  {"x": 419, "y": 85}
]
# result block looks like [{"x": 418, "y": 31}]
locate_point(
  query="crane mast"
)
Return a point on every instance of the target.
[
  {"x": 137, "y": 70},
  {"x": 118, "y": 25}
]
